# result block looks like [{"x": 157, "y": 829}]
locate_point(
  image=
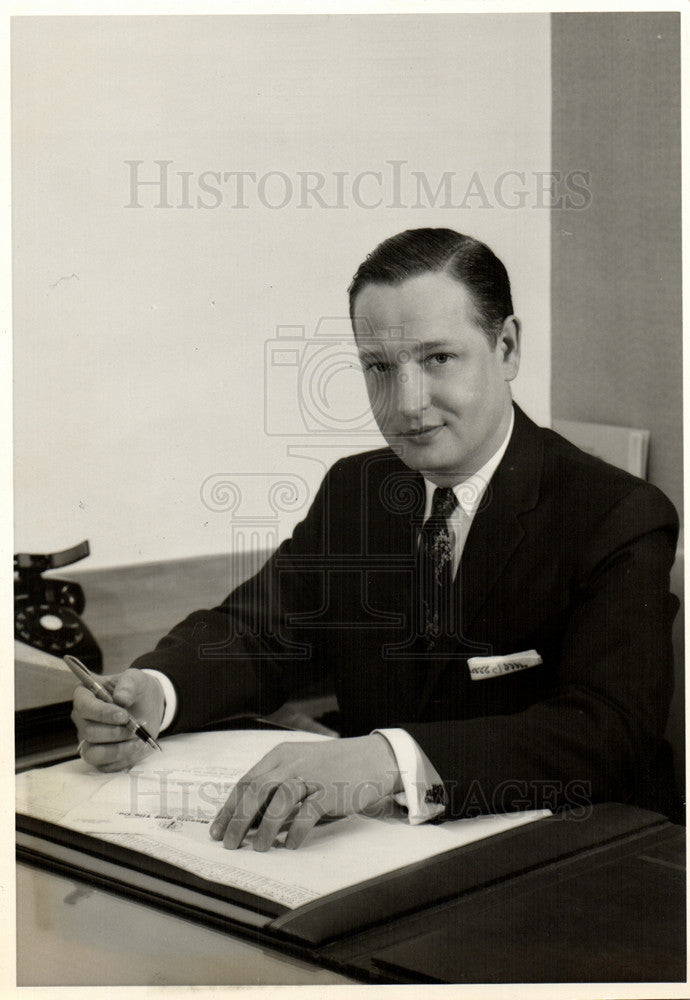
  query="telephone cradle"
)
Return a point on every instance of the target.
[{"x": 47, "y": 610}]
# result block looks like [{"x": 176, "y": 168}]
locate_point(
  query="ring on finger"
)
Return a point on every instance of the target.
[
  {"x": 305, "y": 783},
  {"x": 80, "y": 747}
]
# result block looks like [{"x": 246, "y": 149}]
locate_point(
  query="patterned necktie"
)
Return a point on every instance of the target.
[{"x": 435, "y": 570}]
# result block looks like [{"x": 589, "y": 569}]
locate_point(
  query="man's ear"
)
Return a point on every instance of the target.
[{"x": 508, "y": 343}]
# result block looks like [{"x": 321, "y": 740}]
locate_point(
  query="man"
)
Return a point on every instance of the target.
[{"x": 492, "y": 603}]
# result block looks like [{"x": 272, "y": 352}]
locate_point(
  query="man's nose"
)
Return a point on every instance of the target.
[{"x": 411, "y": 396}]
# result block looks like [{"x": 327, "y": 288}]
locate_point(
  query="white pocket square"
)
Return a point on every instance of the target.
[{"x": 484, "y": 667}]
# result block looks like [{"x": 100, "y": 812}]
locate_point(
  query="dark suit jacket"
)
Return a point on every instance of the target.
[{"x": 567, "y": 555}]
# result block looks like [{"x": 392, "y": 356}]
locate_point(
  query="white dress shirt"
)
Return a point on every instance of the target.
[{"x": 419, "y": 777}]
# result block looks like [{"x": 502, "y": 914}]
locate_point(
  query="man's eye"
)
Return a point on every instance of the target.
[
  {"x": 379, "y": 367},
  {"x": 439, "y": 358}
]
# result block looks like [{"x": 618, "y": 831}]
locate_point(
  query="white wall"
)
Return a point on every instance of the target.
[{"x": 141, "y": 333}]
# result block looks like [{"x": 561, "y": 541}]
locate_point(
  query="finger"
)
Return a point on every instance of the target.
[
  {"x": 128, "y": 687},
  {"x": 220, "y": 822},
  {"x": 114, "y": 756},
  {"x": 222, "y": 817},
  {"x": 250, "y": 803},
  {"x": 282, "y": 805},
  {"x": 109, "y": 682},
  {"x": 308, "y": 815},
  {"x": 88, "y": 708},
  {"x": 98, "y": 733}
]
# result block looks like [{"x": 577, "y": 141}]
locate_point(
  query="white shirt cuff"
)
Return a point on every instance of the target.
[
  {"x": 423, "y": 792},
  {"x": 169, "y": 695}
]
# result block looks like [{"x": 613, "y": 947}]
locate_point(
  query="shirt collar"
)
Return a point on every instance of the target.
[{"x": 471, "y": 490}]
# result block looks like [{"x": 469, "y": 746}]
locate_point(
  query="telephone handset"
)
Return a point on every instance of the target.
[{"x": 47, "y": 611}]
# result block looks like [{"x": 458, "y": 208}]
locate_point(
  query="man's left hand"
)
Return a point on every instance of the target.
[{"x": 300, "y": 783}]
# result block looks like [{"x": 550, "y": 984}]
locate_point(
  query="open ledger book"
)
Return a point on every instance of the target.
[{"x": 162, "y": 809}]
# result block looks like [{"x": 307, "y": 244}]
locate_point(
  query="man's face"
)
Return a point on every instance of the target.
[{"x": 438, "y": 390}]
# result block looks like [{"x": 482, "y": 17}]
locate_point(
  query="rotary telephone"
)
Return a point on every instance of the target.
[{"x": 47, "y": 611}]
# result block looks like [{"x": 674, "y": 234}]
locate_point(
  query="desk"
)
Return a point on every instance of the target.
[
  {"x": 71, "y": 934},
  {"x": 596, "y": 899},
  {"x": 591, "y": 898}
]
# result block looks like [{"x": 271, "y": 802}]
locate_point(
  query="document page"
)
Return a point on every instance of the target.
[{"x": 163, "y": 807}]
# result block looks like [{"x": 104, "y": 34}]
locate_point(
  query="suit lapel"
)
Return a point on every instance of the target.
[
  {"x": 395, "y": 506},
  {"x": 496, "y": 529},
  {"x": 394, "y": 512}
]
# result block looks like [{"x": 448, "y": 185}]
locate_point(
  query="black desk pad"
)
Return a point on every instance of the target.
[
  {"x": 464, "y": 870},
  {"x": 616, "y": 915}
]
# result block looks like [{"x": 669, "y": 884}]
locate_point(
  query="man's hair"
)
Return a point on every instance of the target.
[{"x": 419, "y": 251}]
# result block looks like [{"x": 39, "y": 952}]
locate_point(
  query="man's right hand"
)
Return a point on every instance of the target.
[{"x": 104, "y": 740}]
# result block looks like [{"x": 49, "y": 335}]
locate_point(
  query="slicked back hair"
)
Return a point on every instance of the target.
[{"x": 420, "y": 251}]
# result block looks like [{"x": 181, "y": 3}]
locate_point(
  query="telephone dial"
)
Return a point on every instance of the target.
[{"x": 47, "y": 611}]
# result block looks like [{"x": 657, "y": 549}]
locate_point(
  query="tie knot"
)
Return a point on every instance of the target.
[{"x": 443, "y": 502}]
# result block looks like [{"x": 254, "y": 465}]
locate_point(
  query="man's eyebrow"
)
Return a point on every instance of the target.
[
  {"x": 377, "y": 352},
  {"x": 436, "y": 345},
  {"x": 370, "y": 353},
  {"x": 368, "y": 358}
]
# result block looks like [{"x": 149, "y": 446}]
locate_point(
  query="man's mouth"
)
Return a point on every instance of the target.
[{"x": 421, "y": 434}]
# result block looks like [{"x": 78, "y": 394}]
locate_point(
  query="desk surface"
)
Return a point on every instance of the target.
[{"x": 71, "y": 934}]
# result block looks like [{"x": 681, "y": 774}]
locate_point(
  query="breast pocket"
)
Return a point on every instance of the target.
[{"x": 483, "y": 668}]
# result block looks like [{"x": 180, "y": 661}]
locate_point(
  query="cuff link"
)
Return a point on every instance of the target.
[{"x": 435, "y": 795}]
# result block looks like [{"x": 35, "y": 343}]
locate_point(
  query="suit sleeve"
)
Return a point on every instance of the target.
[
  {"x": 251, "y": 652},
  {"x": 596, "y": 735}
]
